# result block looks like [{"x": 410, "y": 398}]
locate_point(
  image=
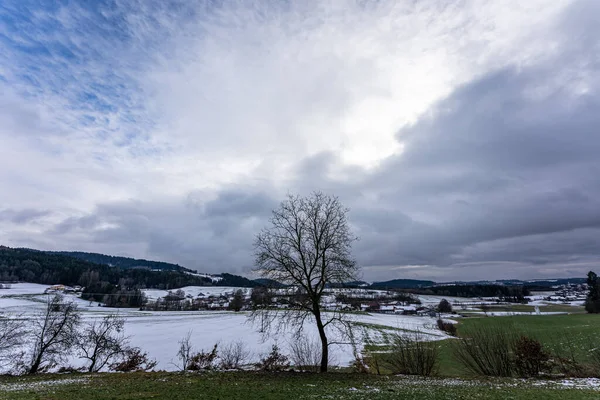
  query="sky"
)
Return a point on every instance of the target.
[{"x": 462, "y": 135}]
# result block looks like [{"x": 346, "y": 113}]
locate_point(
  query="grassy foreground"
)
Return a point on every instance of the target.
[
  {"x": 568, "y": 333},
  {"x": 289, "y": 386}
]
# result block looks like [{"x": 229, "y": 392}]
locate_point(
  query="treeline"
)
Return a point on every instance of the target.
[
  {"x": 113, "y": 286},
  {"x": 121, "y": 262},
  {"x": 511, "y": 294}
]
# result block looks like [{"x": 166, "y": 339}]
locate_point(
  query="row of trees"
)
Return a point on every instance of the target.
[
  {"x": 511, "y": 294},
  {"x": 57, "y": 332}
]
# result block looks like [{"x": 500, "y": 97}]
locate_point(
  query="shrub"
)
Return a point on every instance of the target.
[
  {"x": 133, "y": 360},
  {"x": 234, "y": 355},
  {"x": 412, "y": 355},
  {"x": 274, "y": 361},
  {"x": 306, "y": 354},
  {"x": 185, "y": 351},
  {"x": 203, "y": 360},
  {"x": 486, "y": 351},
  {"x": 530, "y": 357},
  {"x": 447, "y": 327}
]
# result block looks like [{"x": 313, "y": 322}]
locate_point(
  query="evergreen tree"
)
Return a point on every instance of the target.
[
  {"x": 237, "y": 302},
  {"x": 592, "y": 302}
]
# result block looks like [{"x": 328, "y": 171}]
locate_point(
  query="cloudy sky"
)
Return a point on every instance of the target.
[{"x": 463, "y": 135}]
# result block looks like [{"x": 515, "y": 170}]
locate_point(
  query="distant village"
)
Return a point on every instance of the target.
[{"x": 348, "y": 299}]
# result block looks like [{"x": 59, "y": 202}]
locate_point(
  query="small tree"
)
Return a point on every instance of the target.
[
  {"x": 54, "y": 334},
  {"x": 592, "y": 302},
  {"x": 444, "y": 306},
  {"x": 237, "y": 302},
  {"x": 102, "y": 341},
  {"x": 307, "y": 246},
  {"x": 185, "y": 351}
]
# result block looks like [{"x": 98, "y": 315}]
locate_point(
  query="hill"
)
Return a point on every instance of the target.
[
  {"x": 125, "y": 263},
  {"x": 112, "y": 285},
  {"x": 122, "y": 262}
]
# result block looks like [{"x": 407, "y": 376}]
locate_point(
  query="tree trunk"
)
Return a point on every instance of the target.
[
  {"x": 324, "y": 345},
  {"x": 36, "y": 364}
]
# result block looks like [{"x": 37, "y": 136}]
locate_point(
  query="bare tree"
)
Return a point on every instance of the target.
[
  {"x": 308, "y": 246},
  {"x": 185, "y": 351},
  {"x": 12, "y": 337},
  {"x": 54, "y": 333},
  {"x": 102, "y": 341}
]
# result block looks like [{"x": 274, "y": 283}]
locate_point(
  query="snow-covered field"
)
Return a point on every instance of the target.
[{"x": 158, "y": 333}]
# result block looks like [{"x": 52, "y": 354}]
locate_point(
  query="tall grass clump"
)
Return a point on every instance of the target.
[
  {"x": 486, "y": 350},
  {"x": 412, "y": 355}
]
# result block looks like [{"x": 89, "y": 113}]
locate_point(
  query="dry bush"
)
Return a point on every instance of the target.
[
  {"x": 305, "y": 354},
  {"x": 486, "y": 350},
  {"x": 13, "y": 334},
  {"x": 412, "y": 355},
  {"x": 274, "y": 361},
  {"x": 234, "y": 355},
  {"x": 203, "y": 360},
  {"x": 133, "y": 360},
  {"x": 530, "y": 357},
  {"x": 185, "y": 351},
  {"x": 447, "y": 327}
]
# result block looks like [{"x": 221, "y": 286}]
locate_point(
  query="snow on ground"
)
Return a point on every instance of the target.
[
  {"x": 23, "y": 288},
  {"x": 158, "y": 333}
]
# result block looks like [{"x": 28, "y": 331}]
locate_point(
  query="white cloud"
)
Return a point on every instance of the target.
[{"x": 164, "y": 107}]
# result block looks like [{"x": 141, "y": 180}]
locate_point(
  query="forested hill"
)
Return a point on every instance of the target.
[
  {"x": 35, "y": 266},
  {"x": 121, "y": 262},
  {"x": 27, "y": 265}
]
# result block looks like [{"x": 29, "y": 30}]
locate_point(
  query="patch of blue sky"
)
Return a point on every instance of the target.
[{"x": 68, "y": 49}]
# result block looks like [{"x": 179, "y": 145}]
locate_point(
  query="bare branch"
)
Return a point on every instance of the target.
[{"x": 307, "y": 246}]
